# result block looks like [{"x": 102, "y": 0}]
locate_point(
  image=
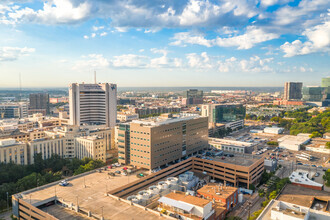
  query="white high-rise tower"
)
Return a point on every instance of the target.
[{"x": 93, "y": 104}]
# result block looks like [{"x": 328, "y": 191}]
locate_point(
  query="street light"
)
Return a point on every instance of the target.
[{"x": 7, "y": 202}]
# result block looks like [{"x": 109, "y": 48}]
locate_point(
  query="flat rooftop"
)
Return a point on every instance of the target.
[
  {"x": 89, "y": 191},
  {"x": 157, "y": 121},
  {"x": 230, "y": 142},
  {"x": 301, "y": 177},
  {"x": 217, "y": 190},
  {"x": 193, "y": 200},
  {"x": 301, "y": 195},
  {"x": 238, "y": 159}
]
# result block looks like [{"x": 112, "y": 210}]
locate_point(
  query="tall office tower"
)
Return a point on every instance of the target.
[
  {"x": 292, "y": 90},
  {"x": 325, "y": 84},
  {"x": 192, "y": 97},
  {"x": 93, "y": 104},
  {"x": 39, "y": 103},
  {"x": 230, "y": 115},
  {"x": 155, "y": 142},
  {"x": 312, "y": 93}
]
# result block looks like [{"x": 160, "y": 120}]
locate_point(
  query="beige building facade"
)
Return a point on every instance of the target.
[{"x": 158, "y": 141}]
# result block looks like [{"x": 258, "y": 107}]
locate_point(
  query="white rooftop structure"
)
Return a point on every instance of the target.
[
  {"x": 279, "y": 210},
  {"x": 301, "y": 177},
  {"x": 230, "y": 142},
  {"x": 273, "y": 130},
  {"x": 292, "y": 142},
  {"x": 161, "y": 120}
]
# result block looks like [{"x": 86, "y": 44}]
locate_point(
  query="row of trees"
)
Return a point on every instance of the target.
[
  {"x": 17, "y": 178},
  {"x": 275, "y": 185}
]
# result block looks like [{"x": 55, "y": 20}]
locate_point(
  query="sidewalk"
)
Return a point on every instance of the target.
[{"x": 5, "y": 215}]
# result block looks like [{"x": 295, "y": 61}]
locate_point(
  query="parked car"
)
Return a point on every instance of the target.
[
  {"x": 63, "y": 183},
  {"x": 117, "y": 171},
  {"x": 317, "y": 174},
  {"x": 299, "y": 163}
]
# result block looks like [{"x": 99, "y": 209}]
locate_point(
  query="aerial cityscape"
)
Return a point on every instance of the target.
[{"x": 192, "y": 109}]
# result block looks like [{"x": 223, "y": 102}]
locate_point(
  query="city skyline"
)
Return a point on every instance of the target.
[{"x": 164, "y": 43}]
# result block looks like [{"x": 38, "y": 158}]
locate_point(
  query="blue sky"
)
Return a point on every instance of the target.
[{"x": 164, "y": 42}]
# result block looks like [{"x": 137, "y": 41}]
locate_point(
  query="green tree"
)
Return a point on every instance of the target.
[
  {"x": 326, "y": 177},
  {"x": 327, "y": 145},
  {"x": 315, "y": 134}
]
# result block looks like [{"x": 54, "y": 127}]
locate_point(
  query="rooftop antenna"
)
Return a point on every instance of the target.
[
  {"x": 94, "y": 76},
  {"x": 20, "y": 87}
]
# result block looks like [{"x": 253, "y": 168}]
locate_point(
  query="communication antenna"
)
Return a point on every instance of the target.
[
  {"x": 94, "y": 76},
  {"x": 20, "y": 87}
]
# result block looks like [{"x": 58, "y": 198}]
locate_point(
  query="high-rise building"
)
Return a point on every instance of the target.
[
  {"x": 325, "y": 84},
  {"x": 192, "y": 97},
  {"x": 39, "y": 103},
  {"x": 231, "y": 115},
  {"x": 312, "y": 93},
  {"x": 93, "y": 104},
  {"x": 155, "y": 142},
  {"x": 293, "y": 90}
]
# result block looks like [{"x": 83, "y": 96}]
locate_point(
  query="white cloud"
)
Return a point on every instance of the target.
[
  {"x": 91, "y": 61},
  {"x": 252, "y": 36},
  {"x": 103, "y": 34},
  {"x": 201, "y": 61},
  {"x": 96, "y": 28},
  {"x": 318, "y": 40},
  {"x": 53, "y": 12},
  {"x": 86, "y": 37},
  {"x": 130, "y": 61},
  {"x": 13, "y": 53},
  {"x": 93, "y": 35}
]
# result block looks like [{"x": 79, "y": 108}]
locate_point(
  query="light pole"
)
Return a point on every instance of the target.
[{"x": 7, "y": 202}]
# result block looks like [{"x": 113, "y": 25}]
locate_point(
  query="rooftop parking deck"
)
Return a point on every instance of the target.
[{"x": 89, "y": 192}]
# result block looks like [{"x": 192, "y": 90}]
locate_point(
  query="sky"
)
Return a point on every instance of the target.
[{"x": 164, "y": 42}]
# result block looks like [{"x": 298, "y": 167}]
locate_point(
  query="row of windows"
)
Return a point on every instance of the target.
[
  {"x": 139, "y": 162},
  {"x": 140, "y": 138},
  {"x": 140, "y": 132},
  {"x": 143, "y": 145},
  {"x": 133, "y": 155},
  {"x": 142, "y": 151}
]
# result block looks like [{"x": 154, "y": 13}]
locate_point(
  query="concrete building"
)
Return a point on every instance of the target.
[
  {"x": 231, "y": 146},
  {"x": 226, "y": 195},
  {"x": 13, "y": 110},
  {"x": 280, "y": 210},
  {"x": 93, "y": 104},
  {"x": 270, "y": 165},
  {"x": 187, "y": 205},
  {"x": 125, "y": 117},
  {"x": 90, "y": 146},
  {"x": 273, "y": 130},
  {"x": 155, "y": 142},
  {"x": 192, "y": 97},
  {"x": 13, "y": 151},
  {"x": 301, "y": 178},
  {"x": 293, "y": 90},
  {"x": 292, "y": 142},
  {"x": 39, "y": 103}
]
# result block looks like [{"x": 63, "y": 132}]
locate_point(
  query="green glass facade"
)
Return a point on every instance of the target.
[
  {"x": 313, "y": 94},
  {"x": 228, "y": 113}
]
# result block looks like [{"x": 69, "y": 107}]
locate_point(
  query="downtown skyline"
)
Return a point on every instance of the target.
[{"x": 164, "y": 43}]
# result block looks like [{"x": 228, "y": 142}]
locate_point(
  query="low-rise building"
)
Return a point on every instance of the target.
[
  {"x": 187, "y": 206},
  {"x": 231, "y": 145},
  {"x": 292, "y": 142},
  {"x": 301, "y": 178},
  {"x": 226, "y": 195},
  {"x": 124, "y": 117},
  {"x": 279, "y": 210},
  {"x": 273, "y": 130},
  {"x": 13, "y": 151}
]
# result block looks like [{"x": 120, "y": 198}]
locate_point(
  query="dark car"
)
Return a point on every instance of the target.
[
  {"x": 117, "y": 171},
  {"x": 299, "y": 163}
]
